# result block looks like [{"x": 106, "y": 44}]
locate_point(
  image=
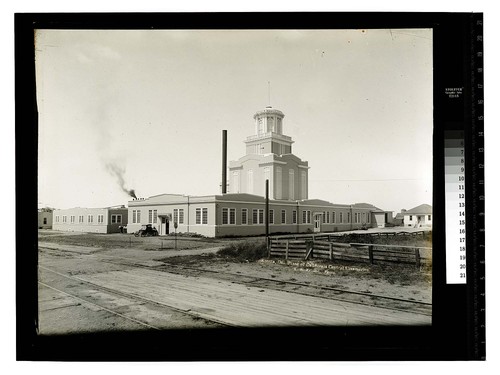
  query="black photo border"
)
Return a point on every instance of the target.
[{"x": 455, "y": 333}]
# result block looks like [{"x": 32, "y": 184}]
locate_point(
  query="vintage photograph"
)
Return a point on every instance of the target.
[{"x": 205, "y": 179}]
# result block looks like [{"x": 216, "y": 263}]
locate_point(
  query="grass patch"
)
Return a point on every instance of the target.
[{"x": 246, "y": 251}]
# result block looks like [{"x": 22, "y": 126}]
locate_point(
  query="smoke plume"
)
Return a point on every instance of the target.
[{"x": 118, "y": 172}]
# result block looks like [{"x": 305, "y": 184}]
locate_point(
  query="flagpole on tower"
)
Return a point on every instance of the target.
[{"x": 269, "y": 93}]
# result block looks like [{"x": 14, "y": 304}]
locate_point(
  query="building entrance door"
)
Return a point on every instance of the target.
[
  {"x": 164, "y": 226},
  {"x": 317, "y": 223}
]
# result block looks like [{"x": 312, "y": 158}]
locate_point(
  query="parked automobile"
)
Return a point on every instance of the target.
[{"x": 146, "y": 230}]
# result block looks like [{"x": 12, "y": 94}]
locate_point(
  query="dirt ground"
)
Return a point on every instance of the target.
[{"x": 391, "y": 280}]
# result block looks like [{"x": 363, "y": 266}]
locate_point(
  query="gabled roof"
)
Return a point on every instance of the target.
[{"x": 423, "y": 209}]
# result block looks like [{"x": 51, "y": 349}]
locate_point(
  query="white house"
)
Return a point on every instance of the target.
[{"x": 417, "y": 217}]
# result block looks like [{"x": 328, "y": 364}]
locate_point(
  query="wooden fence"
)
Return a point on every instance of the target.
[
  {"x": 333, "y": 236},
  {"x": 370, "y": 253}
]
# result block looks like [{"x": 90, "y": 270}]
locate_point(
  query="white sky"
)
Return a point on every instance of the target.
[{"x": 358, "y": 104}]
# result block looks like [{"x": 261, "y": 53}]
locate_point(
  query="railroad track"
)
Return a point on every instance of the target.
[
  {"x": 131, "y": 296},
  {"x": 319, "y": 291}
]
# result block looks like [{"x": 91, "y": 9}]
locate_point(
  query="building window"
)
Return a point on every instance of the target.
[
  {"x": 72, "y": 219},
  {"x": 304, "y": 217},
  {"x": 328, "y": 217},
  {"x": 176, "y": 215},
  {"x": 198, "y": 216},
  {"x": 80, "y": 219},
  {"x": 368, "y": 216},
  {"x": 155, "y": 216},
  {"x": 291, "y": 184},
  {"x": 232, "y": 216},
  {"x": 65, "y": 218},
  {"x": 333, "y": 217},
  {"x": 428, "y": 217},
  {"x": 294, "y": 217},
  {"x": 411, "y": 217},
  {"x": 283, "y": 216},
  {"x": 348, "y": 217},
  {"x": 181, "y": 216},
  {"x": 258, "y": 216},
  {"x": 244, "y": 216},
  {"x": 45, "y": 220},
  {"x": 271, "y": 216},
  {"x": 341, "y": 218},
  {"x": 57, "y": 219},
  {"x": 225, "y": 216},
  {"x": 324, "y": 217},
  {"x": 90, "y": 219},
  {"x": 150, "y": 216},
  {"x": 308, "y": 217},
  {"x": 136, "y": 216},
  {"x": 204, "y": 217},
  {"x": 100, "y": 219},
  {"x": 116, "y": 219}
]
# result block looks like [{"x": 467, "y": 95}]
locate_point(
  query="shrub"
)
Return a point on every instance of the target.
[{"x": 249, "y": 251}]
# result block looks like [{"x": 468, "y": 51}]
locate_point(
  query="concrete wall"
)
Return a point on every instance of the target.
[{"x": 69, "y": 220}]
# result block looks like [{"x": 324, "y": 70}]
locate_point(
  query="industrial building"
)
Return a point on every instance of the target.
[
  {"x": 94, "y": 220},
  {"x": 243, "y": 215},
  {"x": 240, "y": 208}
]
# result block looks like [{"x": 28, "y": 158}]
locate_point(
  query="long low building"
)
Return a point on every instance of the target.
[
  {"x": 95, "y": 220},
  {"x": 244, "y": 215}
]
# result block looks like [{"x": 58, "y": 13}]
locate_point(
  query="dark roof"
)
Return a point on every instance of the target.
[{"x": 422, "y": 209}]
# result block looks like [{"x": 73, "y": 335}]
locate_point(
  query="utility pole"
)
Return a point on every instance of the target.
[{"x": 267, "y": 213}]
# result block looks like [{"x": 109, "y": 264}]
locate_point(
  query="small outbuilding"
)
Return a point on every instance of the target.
[
  {"x": 417, "y": 217},
  {"x": 45, "y": 218}
]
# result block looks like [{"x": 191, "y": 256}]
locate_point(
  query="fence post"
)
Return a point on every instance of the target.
[
  {"x": 269, "y": 244},
  {"x": 370, "y": 253},
  {"x": 331, "y": 250},
  {"x": 417, "y": 257},
  {"x": 309, "y": 249},
  {"x": 286, "y": 252}
]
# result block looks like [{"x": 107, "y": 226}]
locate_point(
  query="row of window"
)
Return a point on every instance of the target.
[
  {"x": 428, "y": 217},
  {"x": 229, "y": 217},
  {"x": 115, "y": 219},
  {"x": 178, "y": 217}
]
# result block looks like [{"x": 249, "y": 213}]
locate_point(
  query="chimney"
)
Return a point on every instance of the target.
[{"x": 224, "y": 162}]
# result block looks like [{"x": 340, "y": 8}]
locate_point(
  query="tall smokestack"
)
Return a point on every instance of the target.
[{"x": 224, "y": 161}]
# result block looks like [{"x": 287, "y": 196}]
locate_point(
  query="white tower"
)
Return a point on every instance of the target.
[{"x": 269, "y": 157}]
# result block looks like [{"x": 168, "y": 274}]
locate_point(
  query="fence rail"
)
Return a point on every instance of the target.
[
  {"x": 371, "y": 253},
  {"x": 333, "y": 236}
]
